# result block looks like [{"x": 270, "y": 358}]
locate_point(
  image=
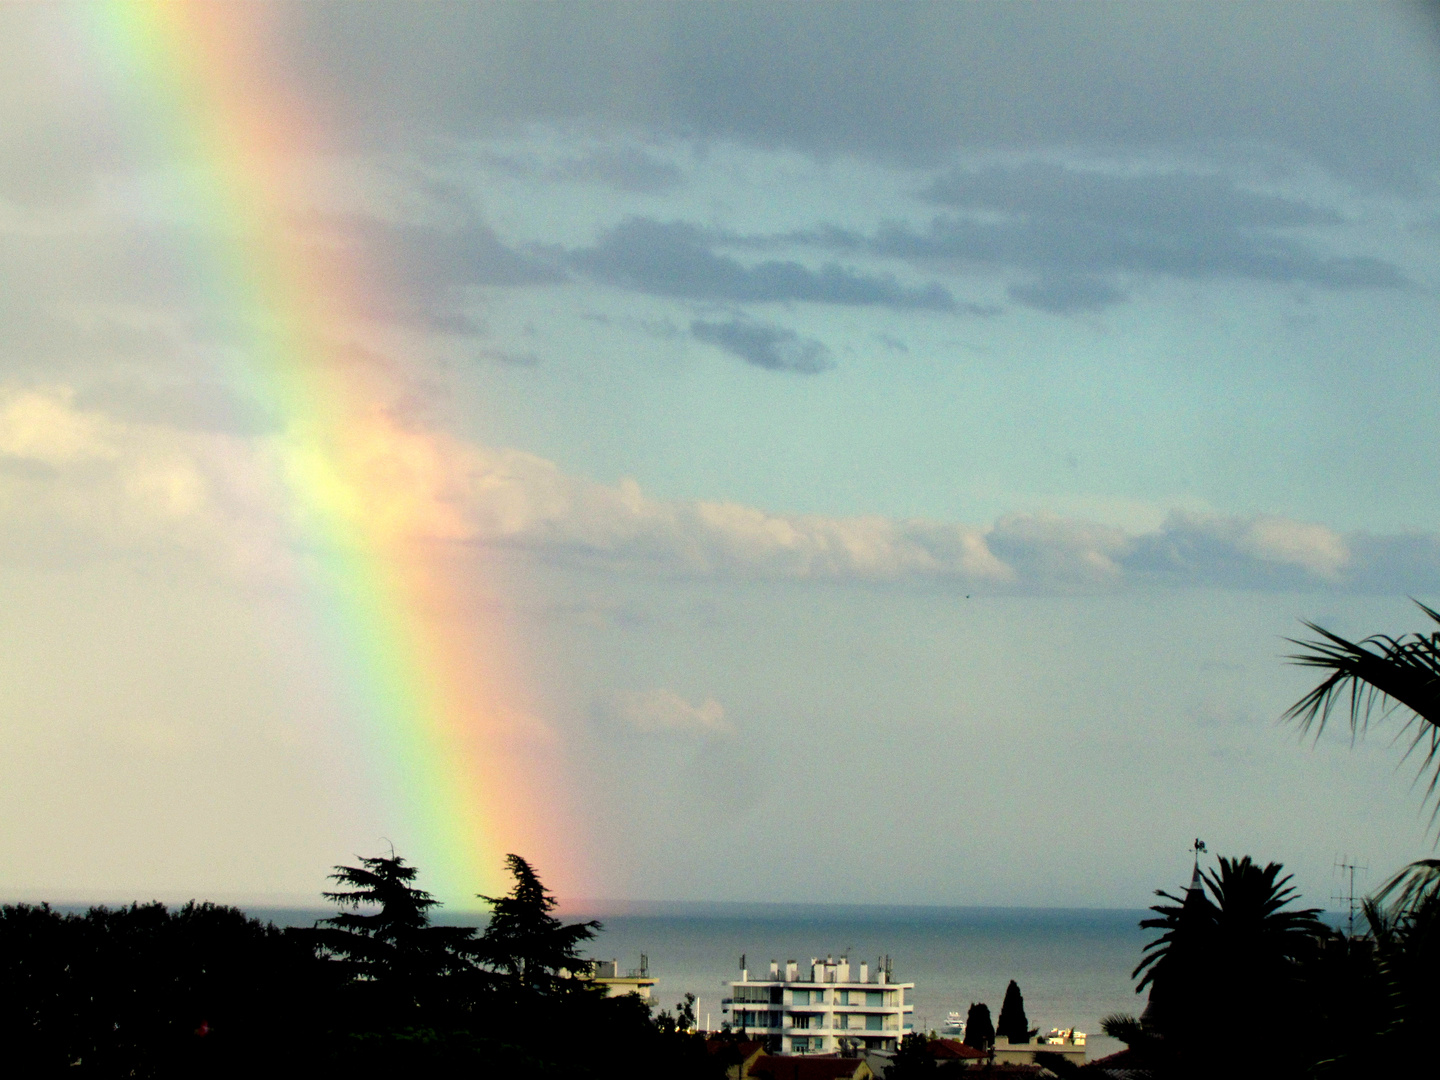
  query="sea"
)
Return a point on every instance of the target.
[{"x": 1072, "y": 965}]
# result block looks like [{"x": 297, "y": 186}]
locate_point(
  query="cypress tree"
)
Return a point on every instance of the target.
[
  {"x": 1013, "y": 1023},
  {"x": 979, "y": 1030}
]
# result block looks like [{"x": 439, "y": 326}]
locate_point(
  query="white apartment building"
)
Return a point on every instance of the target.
[{"x": 833, "y": 1006}]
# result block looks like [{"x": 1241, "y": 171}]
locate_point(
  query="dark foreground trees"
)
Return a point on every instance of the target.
[
  {"x": 205, "y": 991},
  {"x": 1386, "y": 977},
  {"x": 146, "y": 991},
  {"x": 1231, "y": 960}
]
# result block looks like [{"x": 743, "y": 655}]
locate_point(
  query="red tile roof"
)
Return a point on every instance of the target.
[{"x": 953, "y": 1049}]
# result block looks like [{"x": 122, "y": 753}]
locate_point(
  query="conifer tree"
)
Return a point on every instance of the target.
[
  {"x": 1013, "y": 1023},
  {"x": 526, "y": 942},
  {"x": 979, "y": 1030},
  {"x": 385, "y": 938}
]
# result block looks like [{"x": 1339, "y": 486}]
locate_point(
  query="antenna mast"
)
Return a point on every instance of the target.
[{"x": 1342, "y": 864}]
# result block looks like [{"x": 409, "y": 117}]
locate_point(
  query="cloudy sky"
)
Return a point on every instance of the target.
[{"x": 894, "y": 440}]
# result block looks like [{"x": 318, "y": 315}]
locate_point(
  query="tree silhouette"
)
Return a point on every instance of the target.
[
  {"x": 1226, "y": 960},
  {"x": 149, "y": 992},
  {"x": 1013, "y": 1023},
  {"x": 526, "y": 942},
  {"x": 385, "y": 942},
  {"x": 979, "y": 1030},
  {"x": 913, "y": 1060}
]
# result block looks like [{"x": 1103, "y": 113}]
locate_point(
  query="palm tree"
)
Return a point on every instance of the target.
[
  {"x": 1397, "y": 957},
  {"x": 1226, "y": 962},
  {"x": 1378, "y": 675}
]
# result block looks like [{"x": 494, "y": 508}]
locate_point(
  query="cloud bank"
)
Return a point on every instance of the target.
[{"x": 72, "y": 477}]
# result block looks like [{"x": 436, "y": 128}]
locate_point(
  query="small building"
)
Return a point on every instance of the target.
[
  {"x": 943, "y": 1050},
  {"x": 825, "y": 1008},
  {"x": 1066, "y": 1042},
  {"x": 606, "y": 973}
]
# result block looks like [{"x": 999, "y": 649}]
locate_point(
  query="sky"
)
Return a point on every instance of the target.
[{"x": 872, "y": 453}]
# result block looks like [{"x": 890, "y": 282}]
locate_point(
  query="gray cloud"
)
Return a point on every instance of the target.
[
  {"x": 678, "y": 259},
  {"x": 424, "y": 259},
  {"x": 1063, "y": 294},
  {"x": 625, "y": 167},
  {"x": 1350, "y": 86},
  {"x": 1164, "y": 203},
  {"x": 771, "y": 347},
  {"x": 1073, "y": 232}
]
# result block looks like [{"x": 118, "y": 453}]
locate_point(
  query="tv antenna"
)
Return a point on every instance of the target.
[{"x": 1345, "y": 866}]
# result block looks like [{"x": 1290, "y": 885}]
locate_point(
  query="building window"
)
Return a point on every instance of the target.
[
  {"x": 874, "y": 1023},
  {"x": 800, "y": 1021},
  {"x": 842, "y": 997},
  {"x": 874, "y": 997},
  {"x": 802, "y": 1043}
]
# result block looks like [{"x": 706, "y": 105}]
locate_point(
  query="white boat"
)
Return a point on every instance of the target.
[{"x": 955, "y": 1024}]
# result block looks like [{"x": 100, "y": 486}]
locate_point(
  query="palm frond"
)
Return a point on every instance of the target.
[
  {"x": 1371, "y": 679},
  {"x": 1411, "y": 886}
]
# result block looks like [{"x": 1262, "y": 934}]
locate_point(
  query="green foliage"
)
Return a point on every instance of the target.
[{"x": 1013, "y": 1023}]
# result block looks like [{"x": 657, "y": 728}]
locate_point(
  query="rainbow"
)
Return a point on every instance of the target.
[{"x": 411, "y": 664}]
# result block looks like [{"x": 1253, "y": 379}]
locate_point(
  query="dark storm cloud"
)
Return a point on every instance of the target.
[
  {"x": 1352, "y": 86},
  {"x": 679, "y": 260},
  {"x": 771, "y": 347}
]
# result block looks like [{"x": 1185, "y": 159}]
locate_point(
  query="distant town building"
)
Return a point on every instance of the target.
[
  {"x": 1067, "y": 1042},
  {"x": 827, "y": 1007},
  {"x": 635, "y": 981}
]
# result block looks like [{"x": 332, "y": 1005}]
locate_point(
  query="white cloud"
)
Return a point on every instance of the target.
[
  {"x": 82, "y": 472},
  {"x": 665, "y": 711}
]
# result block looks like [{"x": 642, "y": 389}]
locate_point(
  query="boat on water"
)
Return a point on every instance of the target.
[{"x": 955, "y": 1024}]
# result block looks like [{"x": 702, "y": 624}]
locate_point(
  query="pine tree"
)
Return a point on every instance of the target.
[
  {"x": 1013, "y": 1023},
  {"x": 392, "y": 948},
  {"x": 526, "y": 942}
]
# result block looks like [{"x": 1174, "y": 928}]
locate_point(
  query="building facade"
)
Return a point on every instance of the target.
[
  {"x": 825, "y": 1007},
  {"x": 607, "y": 973}
]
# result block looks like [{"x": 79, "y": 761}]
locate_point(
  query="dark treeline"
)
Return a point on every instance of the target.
[
  {"x": 205, "y": 991},
  {"x": 1239, "y": 976}
]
